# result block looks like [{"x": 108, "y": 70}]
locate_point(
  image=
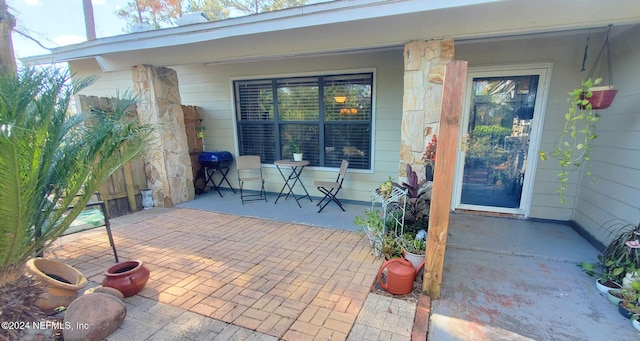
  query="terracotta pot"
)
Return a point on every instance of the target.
[
  {"x": 127, "y": 277},
  {"x": 61, "y": 280}
]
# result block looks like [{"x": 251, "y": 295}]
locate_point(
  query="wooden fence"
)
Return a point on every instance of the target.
[{"x": 121, "y": 191}]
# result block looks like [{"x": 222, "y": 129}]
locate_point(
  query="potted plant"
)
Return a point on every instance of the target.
[
  {"x": 606, "y": 279},
  {"x": 67, "y": 158},
  {"x": 390, "y": 247},
  {"x": 372, "y": 225},
  {"x": 629, "y": 304},
  {"x": 296, "y": 150},
  {"x": 418, "y": 202},
  {"x": 429, "y": 158},
  {"x": 573, "y": 145},
  {"x": 634, "y": 321},
  {"x": 614, "y": 296},
  {"x": 413, "y": 248},
  {"x": 620, "y": 259},
  {"x": 601, "y": 97}
]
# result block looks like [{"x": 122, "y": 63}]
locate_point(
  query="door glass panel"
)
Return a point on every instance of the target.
[{"x": 497, "y": 140}]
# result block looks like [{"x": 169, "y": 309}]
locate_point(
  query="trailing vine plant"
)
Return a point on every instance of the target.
[{"x": 573, "y": 146}]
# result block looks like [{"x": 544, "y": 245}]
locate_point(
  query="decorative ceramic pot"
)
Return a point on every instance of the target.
[
  {"x": 624, "y": 311},
  {"x": 297, "y": 156},
  {"x": 635, "y": 323},
  {"x": 602, "y": 97},
  {"x": 147, "y": 198},
  {"x": 612, "y": 298},
  {"x": 127, "y": 277},
  {"x": 604, "y": 289},
  {"x": 414, "y": 258},
  {"x": 62, "y": 282}
]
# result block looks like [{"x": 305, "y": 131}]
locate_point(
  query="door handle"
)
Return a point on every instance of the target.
[{"x": 463, "y": 144}]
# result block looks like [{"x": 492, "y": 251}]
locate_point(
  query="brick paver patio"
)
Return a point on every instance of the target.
[{"x": 290, "y": 281}]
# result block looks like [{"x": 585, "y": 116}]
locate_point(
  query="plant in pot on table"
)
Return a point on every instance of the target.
[
  {"x": 50, "y": 159},
  {"x": 296, "y": 150}
]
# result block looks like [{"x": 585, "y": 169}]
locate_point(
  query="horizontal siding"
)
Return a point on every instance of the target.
[
  {"x": 107, "y": 84},
  {"x": 565, "y": 53},
  {"x": 615, "y": 194},
  {"x": 210, "y": 88}
]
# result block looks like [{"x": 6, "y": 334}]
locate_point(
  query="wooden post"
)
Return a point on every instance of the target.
[
  {"x": 446, "y": 154},
  {"x": 129, "y": 187}
]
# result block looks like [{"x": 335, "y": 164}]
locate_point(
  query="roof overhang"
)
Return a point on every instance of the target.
[{"x": 343, "y": 26}]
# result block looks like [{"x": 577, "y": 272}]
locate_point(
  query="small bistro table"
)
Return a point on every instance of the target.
[{"x": 296, "y": 170}]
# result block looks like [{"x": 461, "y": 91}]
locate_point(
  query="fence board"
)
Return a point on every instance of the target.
[{"x": 121, "y": 190}]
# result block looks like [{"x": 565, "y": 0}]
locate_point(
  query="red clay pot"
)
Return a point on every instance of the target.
[{"x": 127, "y": 277}]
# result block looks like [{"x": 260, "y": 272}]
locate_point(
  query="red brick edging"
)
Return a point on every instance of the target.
[{"x": 421, "y": 320}]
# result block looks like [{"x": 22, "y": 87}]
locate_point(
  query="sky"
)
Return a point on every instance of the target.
[{"x": 60, "y": 22}]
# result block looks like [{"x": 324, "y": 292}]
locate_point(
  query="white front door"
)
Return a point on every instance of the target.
[{"x": 501, "y": 132}]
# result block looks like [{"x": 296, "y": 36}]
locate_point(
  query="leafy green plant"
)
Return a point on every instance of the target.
[
  {"x": 630, "y": 295},
  {"x": 52, "y": 158},
  {"x": 390, "y": 247},
  {"x": 621, "y": 256},
  {"x": 573, "y": 145},
  {"x": 295, "y": 146},
  {"x": 372, "y": 220},
  {"x": 418, "y": 202},
  {"x": 410, "y": 243}
]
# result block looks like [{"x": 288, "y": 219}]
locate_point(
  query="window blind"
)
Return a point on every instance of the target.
[{"x": 329, "y": 117}]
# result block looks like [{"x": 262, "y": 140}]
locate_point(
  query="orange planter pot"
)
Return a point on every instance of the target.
[
  {"x": 127, "y": 277},
  {"x": 62, "y": 282}
]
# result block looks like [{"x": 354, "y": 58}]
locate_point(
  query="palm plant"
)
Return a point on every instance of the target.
[{"x": 52, "y": 159}]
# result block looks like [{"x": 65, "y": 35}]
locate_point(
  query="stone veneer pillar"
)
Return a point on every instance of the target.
[
  {"x": 424, "y": 66},
  {"x": 167, "y": 161}
]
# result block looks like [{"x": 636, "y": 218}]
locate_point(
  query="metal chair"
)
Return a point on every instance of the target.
[
  {"x": 96, "y": 215},
  {"x": 331, "y": 189},
  {"x": 250, "y": 170}
]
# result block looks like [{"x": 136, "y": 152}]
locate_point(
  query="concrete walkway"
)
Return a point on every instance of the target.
[
  {"x": 508, "y": 279},
  {"x": 224, "y": 277}
]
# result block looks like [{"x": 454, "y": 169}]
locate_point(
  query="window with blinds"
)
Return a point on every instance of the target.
[{"x": 329, "y": 117}]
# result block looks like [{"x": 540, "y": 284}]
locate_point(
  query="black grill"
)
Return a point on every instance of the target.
[{"x": 216, "y": 162}]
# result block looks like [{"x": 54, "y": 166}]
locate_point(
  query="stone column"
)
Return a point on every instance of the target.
[
  {"x": 424, "y": 65},
  {"x": 167, "y": 161}
]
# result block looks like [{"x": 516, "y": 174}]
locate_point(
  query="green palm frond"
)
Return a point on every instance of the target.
[{"x": 52, "y": 159}]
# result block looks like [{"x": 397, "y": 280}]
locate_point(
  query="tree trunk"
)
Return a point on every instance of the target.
[
  {"x": 7, "y": 23},
  {"x": 89, "y": 22}
]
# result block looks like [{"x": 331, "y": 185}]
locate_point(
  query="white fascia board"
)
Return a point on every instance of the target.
[
  {"x": 359, "y": 24},
  {"x": 305, "y": 16}
]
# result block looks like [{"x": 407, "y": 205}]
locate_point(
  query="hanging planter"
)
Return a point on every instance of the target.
[{"x": 601, "y": 97}]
